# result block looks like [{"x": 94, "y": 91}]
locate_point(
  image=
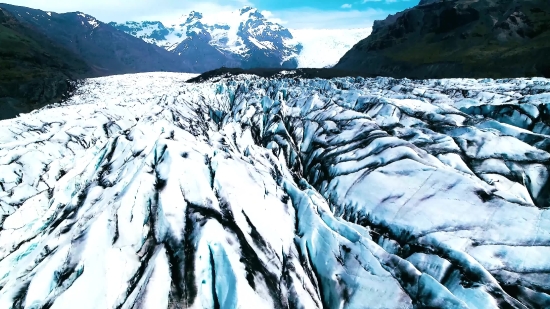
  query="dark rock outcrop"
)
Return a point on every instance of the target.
[
  {"x": 458, "y": 38},
  {"x": 309, "y": 73}
]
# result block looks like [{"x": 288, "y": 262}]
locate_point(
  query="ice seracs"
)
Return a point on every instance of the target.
[{"x": 145, "y": 191}]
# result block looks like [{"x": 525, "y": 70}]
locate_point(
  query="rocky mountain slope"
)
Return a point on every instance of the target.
[
  {"x": 143, "y": 191},
  {"x": 458, "y": 38},
  {"x": 245, "y": 39},
  {"x": 106, "y": 50},
  {"x": 34, "y": 71}
]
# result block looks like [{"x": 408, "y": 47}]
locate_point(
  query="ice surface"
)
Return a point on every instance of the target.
[{"x": 145, "y": 191}]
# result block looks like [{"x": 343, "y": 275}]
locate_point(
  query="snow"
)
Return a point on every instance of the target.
[
  {"x": 93, "y": 22},
  {"x": 233, "y": 19},
  {"x": 324, "y": 47},
  {"x": 257, "y": 43},
  {"x": 146, "y": 191},
  {"x": 145, "y": 30}
]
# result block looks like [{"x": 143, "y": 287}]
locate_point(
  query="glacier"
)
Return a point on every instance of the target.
[{"x": 147, "y": 191}]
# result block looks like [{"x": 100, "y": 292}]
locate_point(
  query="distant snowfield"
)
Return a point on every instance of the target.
[
  {"x": 325, "y": 47},
  {"x": 145, "y": 191}
]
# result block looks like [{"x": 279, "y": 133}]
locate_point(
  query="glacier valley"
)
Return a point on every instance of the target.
[{"x": 147, "y": 191}]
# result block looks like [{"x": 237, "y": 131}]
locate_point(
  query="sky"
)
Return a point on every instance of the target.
[{"x": 293, "y": 14}]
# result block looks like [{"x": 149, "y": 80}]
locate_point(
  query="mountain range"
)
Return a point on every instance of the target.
[
  {"x": 245, "y": 39},
  {"x": 70, "y": 46},
  {"x": 435, "y": 39},
  {"x": 106, "y": 50},
  {"x": 196, "y": 43}
]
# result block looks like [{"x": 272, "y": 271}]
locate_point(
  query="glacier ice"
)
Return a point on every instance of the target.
[{"x": 145, "y": 191}]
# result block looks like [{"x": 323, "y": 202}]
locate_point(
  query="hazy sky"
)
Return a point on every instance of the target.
[{"x": 291, "y": 13}]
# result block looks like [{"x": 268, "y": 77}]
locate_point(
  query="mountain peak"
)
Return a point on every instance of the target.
[
  {"x": 247, "y": 9},
  {"x": 193, "y": 16},
  {"x": 252, "y": 12}
]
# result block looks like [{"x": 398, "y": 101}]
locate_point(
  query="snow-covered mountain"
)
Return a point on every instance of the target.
[
  {"x": 144, "y": 191},
  {"x": 153, "y": 32},
  {"x": 245, "y": 38}
]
